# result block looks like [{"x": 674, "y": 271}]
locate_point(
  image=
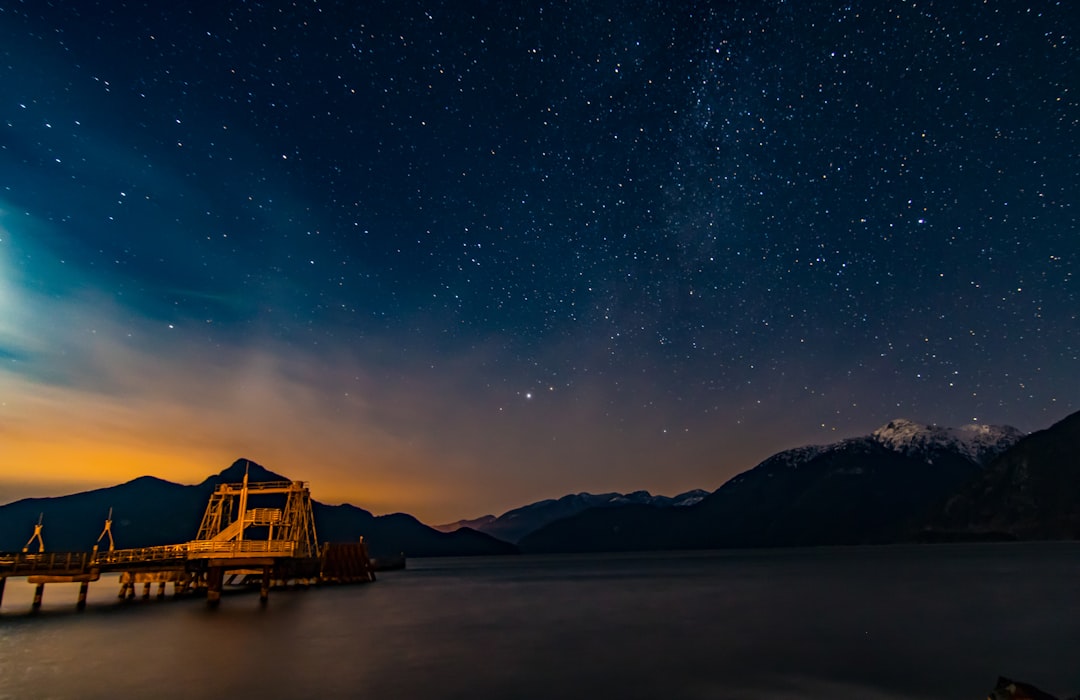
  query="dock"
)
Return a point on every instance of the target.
[{"x": 257, "y": 533}]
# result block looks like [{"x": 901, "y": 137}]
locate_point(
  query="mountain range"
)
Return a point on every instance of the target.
[
  {"x": 867, "y": 489},
  {"x": 905, "y": 481},
  {"x": 512, "y": 525},
  {"x": 150, "y": 511}
]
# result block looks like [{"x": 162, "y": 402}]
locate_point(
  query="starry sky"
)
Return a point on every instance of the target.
[{"x": 449, "y": 258}]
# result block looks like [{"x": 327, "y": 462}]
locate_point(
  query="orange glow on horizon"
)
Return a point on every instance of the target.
[
  {"x": 58, "y": 440},
  {"x": 127, "y": 399}
]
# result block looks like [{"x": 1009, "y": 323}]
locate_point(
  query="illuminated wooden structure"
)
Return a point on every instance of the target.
[
  {"x": 36, "y": 537},
  {"x": 251, "y": 532},
  {"x": 276, "y": 541}
]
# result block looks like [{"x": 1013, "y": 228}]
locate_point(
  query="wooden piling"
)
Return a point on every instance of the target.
[
  {"x": 215, "y": 577},
  {"x": 83, "y": 588},
  {"x": 39, "y": 592},
  {"x": 3, "y": 582},
  {"x": 264, "y": 592}
]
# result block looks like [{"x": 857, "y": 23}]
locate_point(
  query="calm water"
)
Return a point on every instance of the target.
[{"x": 887, "y": 622}]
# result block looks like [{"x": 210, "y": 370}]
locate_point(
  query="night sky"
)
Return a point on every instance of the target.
[{"x": 449, "y": 258}]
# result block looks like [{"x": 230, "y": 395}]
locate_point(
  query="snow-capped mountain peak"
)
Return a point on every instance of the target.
[{"x": 981, "y": 443}]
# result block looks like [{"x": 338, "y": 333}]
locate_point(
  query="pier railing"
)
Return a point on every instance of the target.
[
  {"x": 140, "y": 555},
  {"x": 275, "y": 486},
  {"x": 27, "y": 564},
  {"x": 72, "y": 563},
  {"x": 198, "y": 549}
]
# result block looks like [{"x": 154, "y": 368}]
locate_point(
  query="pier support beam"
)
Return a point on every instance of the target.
[
  {"x": 3, "y": 582},
  {"x": 161, "y": 590},
  {"x": 215, "y": 577},
  {"x": 264, "y": 592},
  {"x": 84, "y": 579}
]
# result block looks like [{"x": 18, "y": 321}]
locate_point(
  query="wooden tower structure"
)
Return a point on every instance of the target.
[
  {"x": 263, "y": 529},
  {"x": 232, "y": 524}
]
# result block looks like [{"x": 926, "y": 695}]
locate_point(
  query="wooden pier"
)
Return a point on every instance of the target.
[{"x": 271, "y": 544}]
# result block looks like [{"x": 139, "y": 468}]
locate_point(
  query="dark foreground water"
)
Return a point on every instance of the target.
[{"x": 873, "y": 623}]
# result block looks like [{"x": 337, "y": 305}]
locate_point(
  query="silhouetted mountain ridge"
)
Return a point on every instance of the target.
[
  {"x": 150, "y": 511},
  {"x": 515, "y": 524},
  {"x": 1031, "y": 491},
  {"x": 870, "y": 489},
  {"x": 234, "y": 474},
  {"x": 902, "y": 481}
]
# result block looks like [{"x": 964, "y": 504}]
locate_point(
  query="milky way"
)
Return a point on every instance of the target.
[{"x": 453, "y": 257}]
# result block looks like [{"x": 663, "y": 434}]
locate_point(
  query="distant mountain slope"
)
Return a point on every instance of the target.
[
  {"x": 149, "y": 511},
  {"x": 1031, "y": 491},
  {"x": 514, "y": 524},
  {"x": 146, "y": 511},
  {"x": 473, "y": 523},
  {"x": 387, "y": 535},
  {"x": 861, "y": 490}
]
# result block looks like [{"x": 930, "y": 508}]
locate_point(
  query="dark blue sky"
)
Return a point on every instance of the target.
[{"x": 495, "y": 252}]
